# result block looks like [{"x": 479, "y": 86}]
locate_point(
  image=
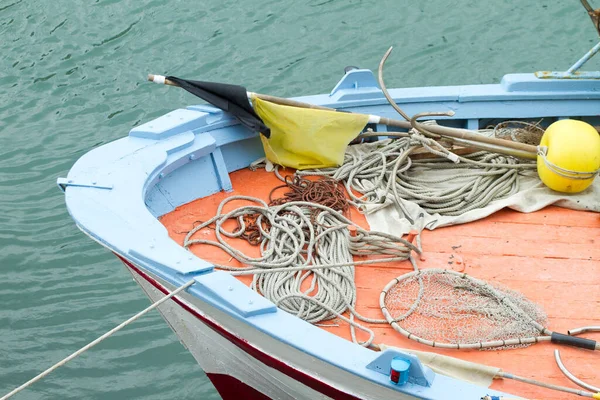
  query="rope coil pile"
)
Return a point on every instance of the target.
[
  {"x": 306, "y": 265},
  {"x": 384, "y": 173}
]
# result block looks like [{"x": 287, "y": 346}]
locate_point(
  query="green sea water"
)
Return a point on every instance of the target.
[{"x": 72, "y": 77}]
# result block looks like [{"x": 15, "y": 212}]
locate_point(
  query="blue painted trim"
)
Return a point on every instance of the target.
[
  {"x": 157, "y": 258},
  {"x": 355, "y": 80},
  {"x": 170, "y": 124},
  {"x": 473, "y": 124},
  {"x": 162, "y": 165},
  {"x": 221, "y": 168},
  {"x": 567, "y": 75},
  {"x": 195, "y": 147},
  {"x": 529, "y": 86},
  {"x": 64, "y": 182},
  {"x": 235, "y": 295}
]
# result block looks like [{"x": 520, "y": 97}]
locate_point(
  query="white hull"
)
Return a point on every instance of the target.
[
  {"x": 218, "y": 357},
  {"x": 236, "y": 357}
]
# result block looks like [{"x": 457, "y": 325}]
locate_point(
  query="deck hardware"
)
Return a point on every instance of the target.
[
  {"x": 399, "y": 368},
  {"x": 221, "y": 170},
  {"x": 357, "y": 79},
  {"x": 63, "y": 183},
  {"x": 417, "y": 373}
]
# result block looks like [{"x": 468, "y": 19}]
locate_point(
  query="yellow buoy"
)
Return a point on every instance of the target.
[{"x": 569, "y": 156}]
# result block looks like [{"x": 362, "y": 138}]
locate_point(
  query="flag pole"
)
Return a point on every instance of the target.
[{"x": 460, "y": 136}]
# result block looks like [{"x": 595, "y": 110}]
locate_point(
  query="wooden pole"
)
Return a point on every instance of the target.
[{"x": 503, "y": 146}]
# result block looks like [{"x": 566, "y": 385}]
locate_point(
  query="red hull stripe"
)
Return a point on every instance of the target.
[
  {"x": 231, "y": 388},
  {"x": 253, "y": 351}
]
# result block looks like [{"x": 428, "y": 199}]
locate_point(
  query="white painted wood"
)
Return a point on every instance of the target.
[{"x": 215, "y": 354}]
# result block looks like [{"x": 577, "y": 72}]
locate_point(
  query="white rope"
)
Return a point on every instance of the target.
[
  {"x": 385, "y": 173},
  {"x": 304, "y": 244},
  {"x": 564, "y": 172},
  {"x": 307, "y": 242},
  {"x": 98, "y": 340}
]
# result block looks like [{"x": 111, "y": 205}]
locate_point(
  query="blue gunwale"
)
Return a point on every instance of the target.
[{"x": 116, "y": 192}]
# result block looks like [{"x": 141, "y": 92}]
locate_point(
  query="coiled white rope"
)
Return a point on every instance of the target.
[
  {"x": 310, "y": 243},
  {"x": 304, "y": 245},
  {"x": 384, "y": 172}
]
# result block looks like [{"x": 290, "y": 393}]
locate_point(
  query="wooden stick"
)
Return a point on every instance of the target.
[
  {"x": 152, "y": 77},
  {"x": 423, "y": 154},
  {"x": 466, "y": 135},
  {"x": 498, "y": 145}
]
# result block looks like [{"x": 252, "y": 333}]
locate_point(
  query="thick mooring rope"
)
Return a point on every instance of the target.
[
  {"x": 385, "y": 172},
  {"x": 306, "y": 266},
  {"x": 99, "y": 339}
]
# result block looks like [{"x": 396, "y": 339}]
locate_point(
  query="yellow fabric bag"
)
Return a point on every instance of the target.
[{"x": 305, "y": 138}]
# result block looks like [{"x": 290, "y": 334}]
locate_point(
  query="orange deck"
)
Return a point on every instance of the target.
[{"x": 551, "y": 256}]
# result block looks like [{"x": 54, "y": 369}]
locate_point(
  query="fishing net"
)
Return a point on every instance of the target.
[
  {"x": 519, "y": 131},
  {"x": 444, "y": 308}
]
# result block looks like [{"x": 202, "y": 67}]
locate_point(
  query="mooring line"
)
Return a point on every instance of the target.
[{"x": 98, "y": 340}]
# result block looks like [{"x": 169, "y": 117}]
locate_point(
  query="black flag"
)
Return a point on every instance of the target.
[{"x": 229, "y": 98}]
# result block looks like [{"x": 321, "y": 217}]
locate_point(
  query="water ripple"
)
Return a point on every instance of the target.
[{"x": 118, "y": 35}]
